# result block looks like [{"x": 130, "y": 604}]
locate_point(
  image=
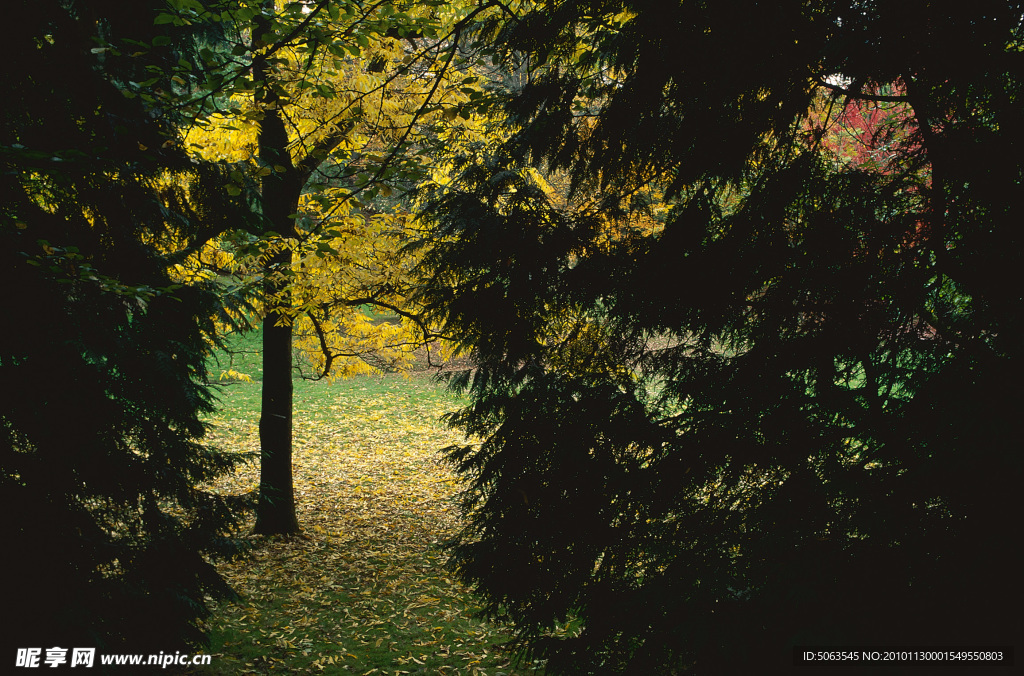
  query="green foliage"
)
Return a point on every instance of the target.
[
  {"x": 786, "y": 418},
  {"x": 102, "y": 358}
]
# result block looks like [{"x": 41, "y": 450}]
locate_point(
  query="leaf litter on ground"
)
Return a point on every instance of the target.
[{"x": 365, "y": 590}]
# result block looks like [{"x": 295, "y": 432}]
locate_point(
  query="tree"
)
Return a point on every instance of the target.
[
  {"x": 322, "y": 106},
  {"x": 784, "y": 418},
  {"x": 102, "y": 356}
]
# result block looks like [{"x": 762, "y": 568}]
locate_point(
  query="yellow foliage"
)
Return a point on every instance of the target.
[
  {"x": 326, "y": 97},
  {"x": 344, "y": 112},
  {"x": 232, "y": 374}
]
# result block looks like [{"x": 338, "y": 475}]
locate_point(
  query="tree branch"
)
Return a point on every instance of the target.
[{"x": 854, "y": 94}]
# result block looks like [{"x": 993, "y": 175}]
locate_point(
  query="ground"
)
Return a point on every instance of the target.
[{"x": 365, "y": 590}]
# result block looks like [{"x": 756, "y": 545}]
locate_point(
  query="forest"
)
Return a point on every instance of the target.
[{"x": 506, "y": 337}]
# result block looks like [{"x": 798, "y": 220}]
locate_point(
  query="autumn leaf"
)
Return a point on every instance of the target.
[{"x": 365, "y": 590}]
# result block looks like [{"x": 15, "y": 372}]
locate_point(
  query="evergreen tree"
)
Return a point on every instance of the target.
[
  {"x": 102, "y": 356},
  {"x": 773, "y": 406}
]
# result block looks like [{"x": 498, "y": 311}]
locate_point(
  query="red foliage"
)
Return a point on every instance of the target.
[
  {"x": 863, "y": 133},
  {"x": 870, "y": 131}
]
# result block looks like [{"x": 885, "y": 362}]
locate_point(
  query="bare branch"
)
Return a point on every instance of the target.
[{"x": 856, "y": 94}]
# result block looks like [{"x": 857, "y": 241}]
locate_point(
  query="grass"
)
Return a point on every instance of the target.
[{"x": 366, "y": 590}]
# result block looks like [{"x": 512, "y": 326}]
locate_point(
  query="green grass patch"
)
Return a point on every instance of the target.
[{"x": 365, "y": 590}]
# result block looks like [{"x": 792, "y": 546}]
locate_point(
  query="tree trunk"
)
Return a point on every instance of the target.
[
  {"x": 275, "y": 511},
  {"x": 280, "y": 189}
]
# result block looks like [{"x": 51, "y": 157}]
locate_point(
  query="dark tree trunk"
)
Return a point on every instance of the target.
[{"x": 275, "y": 511}]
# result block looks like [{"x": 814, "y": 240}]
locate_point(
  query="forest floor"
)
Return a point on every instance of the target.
[{"x": 365, "y": 589}]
